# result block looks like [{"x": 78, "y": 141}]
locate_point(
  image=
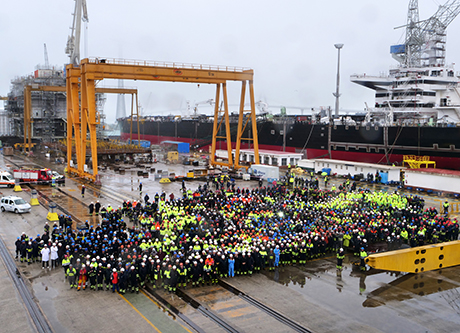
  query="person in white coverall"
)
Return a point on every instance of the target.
[{"x": 45, "y": 256}]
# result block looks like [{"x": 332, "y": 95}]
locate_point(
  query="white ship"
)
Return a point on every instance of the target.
[{"x": 422, "y": 89}]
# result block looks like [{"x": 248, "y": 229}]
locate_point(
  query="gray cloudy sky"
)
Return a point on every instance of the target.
[{"x": 289, "y": 44}]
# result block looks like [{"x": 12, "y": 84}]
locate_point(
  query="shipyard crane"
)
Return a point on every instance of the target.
[
  {"x": 73, "y": 42},
  {"x": 265, "y": 108},
  {"x": 262, "y": 106},
  {"x": 47, "y": 63},
  {"x": 209, "y": 101},
  {"x": 425, "y": 40}
]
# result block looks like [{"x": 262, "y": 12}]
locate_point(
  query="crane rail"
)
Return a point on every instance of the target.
[
  {"x": 204, "y": 311},
  {"x": 33, "y": 310},
  {"x": 271, "y": 312}
]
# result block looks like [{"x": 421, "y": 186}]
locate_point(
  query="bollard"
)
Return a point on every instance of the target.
[
  {"x": 98, "y": 182},
  {"x": 34, "y": 199},
  {"x": 52, "y": 215},
  {"x": 17, "y": 186}
]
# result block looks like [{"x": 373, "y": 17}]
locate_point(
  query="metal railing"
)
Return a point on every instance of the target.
[{"x": 167, "y": 64}]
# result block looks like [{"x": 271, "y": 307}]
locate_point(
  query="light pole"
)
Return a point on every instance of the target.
[{"x": 337, "y": 93}]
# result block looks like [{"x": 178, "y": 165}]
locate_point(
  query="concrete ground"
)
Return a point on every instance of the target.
[{"x": 314, "y": 296}]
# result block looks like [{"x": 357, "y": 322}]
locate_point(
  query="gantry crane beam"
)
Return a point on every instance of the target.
[
  {"x": 417, "y": 259},
  {"x": 96, "y": 69},
  {"x": 92, "y": 70}
]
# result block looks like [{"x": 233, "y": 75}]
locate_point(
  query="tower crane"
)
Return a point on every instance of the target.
[
  {"x": 73, "y": 42},
  {"x": 425, "y": 40}
]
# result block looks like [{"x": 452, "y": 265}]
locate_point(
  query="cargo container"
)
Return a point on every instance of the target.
[
  {"x": 143, "y": 143},
  {"x": 268, "y": 172}
]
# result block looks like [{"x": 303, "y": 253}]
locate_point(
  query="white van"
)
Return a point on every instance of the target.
[
  {"x": 6, "y": 179},
  {"x": 14, "y": 204}
]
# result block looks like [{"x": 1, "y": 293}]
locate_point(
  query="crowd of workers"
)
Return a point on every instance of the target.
[{"x": 208, "y": 234}]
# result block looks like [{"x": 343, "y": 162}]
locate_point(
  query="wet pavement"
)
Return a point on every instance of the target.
[
  {"x": 314, "y": 296},
  {"x": 236, "y": 311}
]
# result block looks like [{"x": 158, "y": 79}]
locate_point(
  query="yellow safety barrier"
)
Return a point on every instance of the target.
[
  {"x": 34, "y": 199},
  {"x": 415, "y": 162},
  {"x": 17, "y": 186},
  {"x": 52, "y": 215},
  {"x": 453, "y": 206},
  {"x": 417, "y": 259},
  {"x": 165, "y": 180}
]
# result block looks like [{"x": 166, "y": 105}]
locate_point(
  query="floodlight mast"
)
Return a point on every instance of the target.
[{"x": 337, "y": 91}]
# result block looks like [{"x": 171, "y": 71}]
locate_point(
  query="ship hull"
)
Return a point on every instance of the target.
[{"x": 371, "y": 144}]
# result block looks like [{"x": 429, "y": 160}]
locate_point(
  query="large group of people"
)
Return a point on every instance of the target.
[{"x": 207, "y": 234}]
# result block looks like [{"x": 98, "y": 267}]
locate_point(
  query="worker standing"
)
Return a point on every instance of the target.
[
  {"x": 82, "y": 278},
  {"x": 91, "y": 208},
  {"x": 97, "y": 207},
  {"x": 83, "y": 191},
  {"x": 140, "y": 188},
  {"x": 446, "y": 207},
  {"x": 71, "y": 273},
  {"x": 114, "y": 279},
  {"x": 340, "y": 257},
  {"x": 362, "y": 256},
  {"x": 45, "y": 252}
]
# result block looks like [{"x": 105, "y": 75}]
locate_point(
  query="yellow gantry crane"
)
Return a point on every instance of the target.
[
  {"x": 28, "y": 105},
  {"x": 81, "y": 87}
]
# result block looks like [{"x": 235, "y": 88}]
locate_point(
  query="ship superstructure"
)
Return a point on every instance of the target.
[{"x": 422, "y": 88}]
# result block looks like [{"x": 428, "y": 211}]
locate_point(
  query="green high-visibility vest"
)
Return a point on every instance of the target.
[{"x": 71, "y": 271}]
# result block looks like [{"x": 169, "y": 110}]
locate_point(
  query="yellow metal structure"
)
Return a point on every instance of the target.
[
  {"x": 197, "y": 173},
  {"x": 52, "y": 217},
  {"x": 416, "y": 162},
  {"x": 173, "y": 156},
  {"x": 28, "y": 106},
  {"x": 93, "y": 70},
  {"x": 453, "y": 206},
  {"x": 417, "y": 259},
  {"x": 22, "y": 145}
]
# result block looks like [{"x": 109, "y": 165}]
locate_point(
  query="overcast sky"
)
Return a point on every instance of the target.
[{"x": 289, "y": 44}]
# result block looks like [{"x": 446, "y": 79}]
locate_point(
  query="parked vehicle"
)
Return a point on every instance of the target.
[
  {"x": 59, "y": 178},
  {"x": 14, "y": 204},
  {"x": 39, "y": 176},
  {"x": 6, "y": 179}
]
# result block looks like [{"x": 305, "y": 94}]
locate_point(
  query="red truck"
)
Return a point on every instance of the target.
[{"x": 38, "y": 176}]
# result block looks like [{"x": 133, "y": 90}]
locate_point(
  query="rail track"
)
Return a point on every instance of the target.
[
  {"x": 36, "y": 315},
  {"x": 271, "y": 312},
  {"x": 224, "y": 323}
]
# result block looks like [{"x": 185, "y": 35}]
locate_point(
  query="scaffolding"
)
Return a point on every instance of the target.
[{"x": 48, "y": 111}]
